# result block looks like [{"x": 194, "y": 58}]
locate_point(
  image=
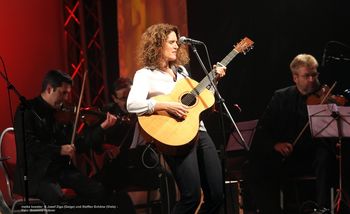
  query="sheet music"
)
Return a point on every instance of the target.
[
  {"x": 324, "y": 120},
  {"x": 247, "y": 129}
]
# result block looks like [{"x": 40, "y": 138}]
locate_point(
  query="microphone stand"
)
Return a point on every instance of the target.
[
  {"x": 222, "y": 105},
  {"x": 23, "y": 105}
]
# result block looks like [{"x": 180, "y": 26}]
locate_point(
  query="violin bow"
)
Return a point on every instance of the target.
[
  {"x": 78, "y": 111},
  {"x": 308, "y": 122}
]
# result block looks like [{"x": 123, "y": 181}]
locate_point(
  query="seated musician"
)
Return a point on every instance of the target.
[
  {"x": 273, "y": 155},
  {"x": 49, "y": 151},
  {"x": 123, "y": 168}
]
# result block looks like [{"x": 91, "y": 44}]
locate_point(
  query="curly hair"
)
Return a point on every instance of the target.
[{"x": 150, "y": 47}]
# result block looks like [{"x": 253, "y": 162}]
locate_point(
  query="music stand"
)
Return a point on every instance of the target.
[
  {"x": 238, "y": 150},
  {"x": 330, "y": 120},
  {"x": 247, "y": 128}
]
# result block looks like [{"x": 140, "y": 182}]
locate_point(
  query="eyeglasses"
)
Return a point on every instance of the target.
[{"x": 308, "y": 75}]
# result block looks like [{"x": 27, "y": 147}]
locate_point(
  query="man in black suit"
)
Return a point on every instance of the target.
[
  {"x": 48, "y": 148},
  {"x": 124, "y": 167},
  {"x": 273, "y": 155}
]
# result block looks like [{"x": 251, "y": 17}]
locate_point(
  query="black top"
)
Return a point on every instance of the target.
[
  {"x": 43, "y": 137},
  {"x": 283, "y": 119},
  {"x": 121, "y": 134}
]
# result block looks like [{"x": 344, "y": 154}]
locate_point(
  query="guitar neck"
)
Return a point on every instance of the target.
[
  {"x": 206, "y": 81},
  {"x": 229, "y": 57}
]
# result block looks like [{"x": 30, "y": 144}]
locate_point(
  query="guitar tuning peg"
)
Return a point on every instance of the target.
[{"x": 248, "y": 49}]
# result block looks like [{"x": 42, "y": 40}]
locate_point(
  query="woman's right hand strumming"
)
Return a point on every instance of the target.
[{"x": 174, "y": 108}]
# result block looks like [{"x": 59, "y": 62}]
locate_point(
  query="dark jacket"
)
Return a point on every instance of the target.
[
  {"x": 43, "y": 140},
  {"x": 121, "y": 134},
  {"x": 283, "y": 119}
]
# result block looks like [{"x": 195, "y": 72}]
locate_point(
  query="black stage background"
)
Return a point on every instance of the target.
[{"x": 280, "y": 30}]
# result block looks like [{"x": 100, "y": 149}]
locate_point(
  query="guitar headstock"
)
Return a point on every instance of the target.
[{"x": 244, "y": 45}]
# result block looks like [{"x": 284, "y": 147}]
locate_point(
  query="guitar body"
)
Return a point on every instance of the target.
[{"x": 173, "y": 135}]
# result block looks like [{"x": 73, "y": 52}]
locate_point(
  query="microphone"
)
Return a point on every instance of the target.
[
  {"x": 188, "y": 41},
  {"x": 340, "y": 58}
]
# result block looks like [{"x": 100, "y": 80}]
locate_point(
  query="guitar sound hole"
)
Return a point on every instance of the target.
[{"x": 188, "y": 99}]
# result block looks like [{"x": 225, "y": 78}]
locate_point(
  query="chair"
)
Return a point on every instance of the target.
[
  {"x": 298, "y": 192},
  {"x": 236, "y": 165},
  {"x": 295, "y": 191},
  {"x": 7, "y": 168}
]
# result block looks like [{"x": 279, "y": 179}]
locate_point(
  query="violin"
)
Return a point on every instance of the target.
[
  {"x": 88, "y": 115},
  {"x": 92, "y": 115},
  {"x": 65, "y": 115},
  {"x": 323, "y": 96}
]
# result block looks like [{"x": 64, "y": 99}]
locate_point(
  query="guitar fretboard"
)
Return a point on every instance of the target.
[{"x": 205, "y": 83}]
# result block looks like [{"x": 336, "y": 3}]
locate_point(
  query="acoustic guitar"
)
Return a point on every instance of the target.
[{"x": 174, "y": 135}]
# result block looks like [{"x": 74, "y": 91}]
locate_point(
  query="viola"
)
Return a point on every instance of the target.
[{"x": 323, "y": 96}]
